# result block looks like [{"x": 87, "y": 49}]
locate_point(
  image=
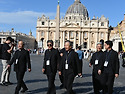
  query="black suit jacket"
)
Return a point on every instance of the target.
[
  {"x": 100, "y": 57},
  {"x": 113, "y": 63},
  {"x": 23, "y": 58},
  {"x": 54, "y": 57},
  {"x": 73, "y": 62}
]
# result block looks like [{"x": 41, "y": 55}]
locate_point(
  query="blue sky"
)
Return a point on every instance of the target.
[{"x": 22, "y": 14}]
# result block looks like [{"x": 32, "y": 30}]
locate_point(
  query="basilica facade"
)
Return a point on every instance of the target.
[{"x": 75, "y": 26}]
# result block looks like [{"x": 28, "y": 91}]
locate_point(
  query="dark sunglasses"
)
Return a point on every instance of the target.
[{"x": 49, "y": 44}]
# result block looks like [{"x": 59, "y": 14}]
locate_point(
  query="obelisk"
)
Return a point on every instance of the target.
[{"x": 57, "y": 41}]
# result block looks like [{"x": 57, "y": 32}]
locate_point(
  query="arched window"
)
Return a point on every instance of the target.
[
  {"x": 93, "y": 24},
  {"x": 51, "y": 23},
  {"x": 92, "y": 44},
  {"x": 71, "y": 34},
  {"x": 92, "y": 34},
  {"x": 85, "y": 34},
  {"x": 42, "y": 33},
  {"x": 102, "y": 35},
  {"x": 77, "y": 34},
  {"x": 66, "y": 34},
  {"x": 51, "y": 33},
  {"x": 102, "y": 23},
  {"x": 43, "y": 23}
]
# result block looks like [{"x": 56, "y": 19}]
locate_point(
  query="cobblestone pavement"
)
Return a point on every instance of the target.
[{"x": 37, "y": 82}]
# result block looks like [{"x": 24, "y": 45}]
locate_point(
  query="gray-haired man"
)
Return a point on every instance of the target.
[{"x": 97, "y": 62}]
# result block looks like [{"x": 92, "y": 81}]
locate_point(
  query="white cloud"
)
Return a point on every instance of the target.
[
  {"x": 22, "y": 17},
  {"x": 23, "y": 21}
]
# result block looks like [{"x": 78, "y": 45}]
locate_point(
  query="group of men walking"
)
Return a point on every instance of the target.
[
  {"x": 67, "y": 62},
  {"x": 105, "y": 68}
]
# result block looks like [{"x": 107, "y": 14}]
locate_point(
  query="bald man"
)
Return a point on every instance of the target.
[
  {"x": 20, "y": 59},
  {"x": 69, "y": 65}
]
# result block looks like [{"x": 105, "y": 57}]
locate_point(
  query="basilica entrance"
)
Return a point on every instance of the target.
[{"x": 85, "y": 45}]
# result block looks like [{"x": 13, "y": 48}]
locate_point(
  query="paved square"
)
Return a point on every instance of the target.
[{"x": 37, "y": 82}]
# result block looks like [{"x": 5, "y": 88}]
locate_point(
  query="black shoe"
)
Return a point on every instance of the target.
[
  {"x": 61, "y": 86},
  {"x": 16, "y": 92},
  {"x": 24, "y": 90},
  {"x": 3, "y": 84},
  {"x": 8, "y": 83}
]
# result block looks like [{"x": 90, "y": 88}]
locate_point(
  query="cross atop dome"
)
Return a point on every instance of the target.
[
  {"x": 58, "y": 2},
  {"x": 77, "y": 0}
]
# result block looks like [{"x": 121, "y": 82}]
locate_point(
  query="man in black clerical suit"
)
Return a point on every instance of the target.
[
  {"x": 69, "y": 66},
  {"x": 20, "y": 59},
  {"x": 97, "y": 61},
  {"x": 61, "y": 76},
  {"x": 51, "y": 59},
  {"x": 111, "y": 68}
]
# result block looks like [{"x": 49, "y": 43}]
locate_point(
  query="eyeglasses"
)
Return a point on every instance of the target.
[{"x": 49, "y": 45}]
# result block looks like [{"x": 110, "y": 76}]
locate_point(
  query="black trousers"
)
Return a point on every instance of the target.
[
  {"x": 108, "y": 82},
  {"x": 68, "y": 82},
  {"x": 96, "y": 83},
  {"x": 80, "y": 65},
  {"x": 20, "y": 82},
  {"x": 51, "y": 85},
  {"x": 61, "y": 78}
]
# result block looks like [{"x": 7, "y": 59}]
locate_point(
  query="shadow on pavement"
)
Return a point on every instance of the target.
[
  {"x": 36, "y": 80},
  {"x": 82, "y": 84},
  {"x": 87, "y": 75},
  {"x": 119, "y": 90},
  {"x": 83, "y": 90},
  {"x": 40, "y": 90}
]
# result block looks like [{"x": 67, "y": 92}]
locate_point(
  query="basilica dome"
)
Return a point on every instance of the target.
[{"x": 77, "y": 8}]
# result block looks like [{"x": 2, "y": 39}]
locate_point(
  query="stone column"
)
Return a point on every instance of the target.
[
  {"x": 88, "y": 40},
  {"x": 54, "y": 37},
  {"x": 68, "y": 35},
  {"x": 63, "y": 39},
  {"x": 47, "y": 38},
  {"x": 96, "y": 39},
  {"x": 106, "y": 36},
  {"x": 74, "y": 44},
  {"x": 79, "y": 38},
  {"x": 38, "y": 35},
  {"x": 82, "y": 39},
  {"x": 99, "y": 34}
]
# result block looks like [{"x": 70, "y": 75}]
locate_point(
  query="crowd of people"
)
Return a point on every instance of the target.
[{"x": 67, "y": 62}]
